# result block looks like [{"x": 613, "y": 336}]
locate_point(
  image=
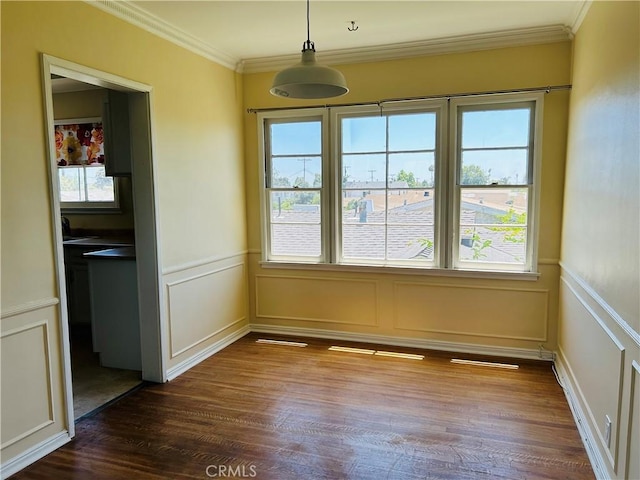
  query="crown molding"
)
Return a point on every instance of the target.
[
  {"x": 134, "y": 15},
  {"x": 581, "y": 12},
  {"x": 125, "y": 10},
  {"x": 439, "y": 46}
]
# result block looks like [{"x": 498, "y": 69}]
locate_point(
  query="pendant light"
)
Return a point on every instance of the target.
[{"x": 307, "y": 79}]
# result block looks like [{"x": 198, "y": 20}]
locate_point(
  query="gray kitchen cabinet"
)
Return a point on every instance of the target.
[
  {"x": 77, "y": 274},
  {"x": 115, "y": 322},
  {"x": 77, "y": 279},
  {"x": 117, "y": 136}
]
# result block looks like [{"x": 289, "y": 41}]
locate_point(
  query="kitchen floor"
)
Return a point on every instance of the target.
[{"x": 93, "y": 385}]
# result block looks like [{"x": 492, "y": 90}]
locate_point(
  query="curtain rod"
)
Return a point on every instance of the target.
[{"x": 379, "y": 103}]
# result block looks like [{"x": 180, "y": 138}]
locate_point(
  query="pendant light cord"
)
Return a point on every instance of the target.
[
  {"x": 308, "y": 21},
  {"x": 308, "y": 45}
]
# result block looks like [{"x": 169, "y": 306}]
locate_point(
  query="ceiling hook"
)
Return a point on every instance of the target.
[{"x": 353, "y": 27}]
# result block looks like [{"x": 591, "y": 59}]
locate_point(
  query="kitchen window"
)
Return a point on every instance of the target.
[
  {"x": 82, "y": 179},
  {"x": 440, "y": 184}
]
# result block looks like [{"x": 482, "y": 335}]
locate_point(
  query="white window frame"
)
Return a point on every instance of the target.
[
  {"x": 265, "y": 119},
  {"x": 504, "y": 101},
  {"x": 86, "y": 206},
  {"x": 447, "y": 188},
  {"x": 439, "y": 107}
]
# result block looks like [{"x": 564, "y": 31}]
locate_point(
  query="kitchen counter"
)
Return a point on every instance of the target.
[
  {"x": 119, "y": 253},
  {"x": 99, "y": 242},
  {"x": 76, "y": 268}
]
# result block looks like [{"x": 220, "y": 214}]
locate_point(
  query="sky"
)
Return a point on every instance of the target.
[{"x": 492, "y": 139}]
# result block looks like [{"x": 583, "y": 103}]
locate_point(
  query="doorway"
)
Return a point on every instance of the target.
[{"x": 145, "y": 277}]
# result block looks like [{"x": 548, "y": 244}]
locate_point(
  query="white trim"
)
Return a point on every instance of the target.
[
  {"x": 130, "y": 13},
  {"x": 510, "y": 352},
  {"x": 633, "y": 391},
  {"x": 185, "y": 365},
  {"x": 437, "y": 107},
  {"x": 34, "y": 454},
  {"x": 438, "y": 46},
  {"x": 173, "y": 354},
  {"x": 544, "y": 338},
  {"x": 581, "y": 13},
  {"x": 28, "y": 433},
  {"x": 568, "y": 384},
  {"x": 610, "y": 449},
  {"x": 395, "y": 270},
  {"x": 205, "y": 274},
  {"x": 44, "y": 324},
  {"x": 205, "y": 338},
  {"x": 153, "y": 350},
  {"x": 127, "y": 11},
  {"x": 30, "y": 307},
  {"x": 593, "y": 295},
  {"x": 264, "y": 161},
  {"x": 372, "y": 282},
  {"x": 201, "y": 263},
  {"x": 51, "y": 65},
  {"x": 520, "y": 100},
  {"x": 549, "y": 261},
  {"x": 85, "y": 74}
]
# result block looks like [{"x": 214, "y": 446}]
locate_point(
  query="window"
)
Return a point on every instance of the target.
[
  {"x": 494, "y": 185},
  {"x": 388, "y": 191},
  {"x": 432, "y": 184},
  {"x": 81, "y": 170}
]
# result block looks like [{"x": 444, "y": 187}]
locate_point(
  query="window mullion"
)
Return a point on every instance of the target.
[
  {"x": 327, "y": 192},
  {"x": 386, "y": 191},
  {"x": 452, "y": 193},
  {"x": 85, "y": 184}
]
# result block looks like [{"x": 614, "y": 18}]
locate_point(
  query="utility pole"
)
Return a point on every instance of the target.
[
  {"x": 371, "y": 172},
  {"x": 304, "y": 167}
]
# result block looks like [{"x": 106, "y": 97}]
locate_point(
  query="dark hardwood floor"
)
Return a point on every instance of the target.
[{"x": 282, "y": 412}]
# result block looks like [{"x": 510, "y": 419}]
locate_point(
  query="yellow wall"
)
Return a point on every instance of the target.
[
  {"x": 599, "y": 341},
  {"x": 205, "y": 153},
  {"x": 418, "y": 309},
  {"x": 198, "y": 154},
  {"x": 87, "y": 104}
]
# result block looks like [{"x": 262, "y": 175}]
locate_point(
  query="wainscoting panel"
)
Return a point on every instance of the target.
[
  {"x": 513, "y": 313},
  {"x": 203, "y": 302},
  {"x": 30, "y": 398},
  {"x": 594, "y": 349},
  {"x": 314, "y": 299},
  {"x": 34, "y": 415}
]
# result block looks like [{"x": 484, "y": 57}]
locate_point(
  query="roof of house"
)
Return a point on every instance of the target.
[{"x": 409, "y": 234}]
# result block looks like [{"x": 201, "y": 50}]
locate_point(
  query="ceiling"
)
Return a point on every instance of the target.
[{"x": 239, "y": 31}]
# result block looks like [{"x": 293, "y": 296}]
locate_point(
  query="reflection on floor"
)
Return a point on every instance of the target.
[{"x": 93, "y": 385}]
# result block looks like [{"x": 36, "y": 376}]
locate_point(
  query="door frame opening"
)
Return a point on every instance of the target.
[{"x": 152, "y": 334}]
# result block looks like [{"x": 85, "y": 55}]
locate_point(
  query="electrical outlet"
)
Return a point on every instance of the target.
[{"x": 607, "y": 431}]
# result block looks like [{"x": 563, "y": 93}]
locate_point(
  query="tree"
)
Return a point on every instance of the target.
[
  {"x": 300, "y": 182},
  {"x": 513, "y": 233},
  {"x": 279, "y": 181},
  {"x": 317, "y": 180},
  {"x": 474, "y": 175},
  {"x": 408, "y": 177}
]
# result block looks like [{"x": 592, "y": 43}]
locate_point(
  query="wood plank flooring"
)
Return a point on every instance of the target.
[{"x": 286, "y": 413}]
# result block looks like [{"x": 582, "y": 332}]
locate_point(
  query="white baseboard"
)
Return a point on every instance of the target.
[
  {"x": 34, "y": 454},
  {"x": 567, "y": 382},
  {"x": 401, "y": 341},
  {"x": 185, "y": 365}
]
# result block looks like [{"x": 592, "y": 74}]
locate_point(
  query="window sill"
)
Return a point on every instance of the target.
[
  {"x": 431, "y": 272},
  {"x": 90, "y": 210}
]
